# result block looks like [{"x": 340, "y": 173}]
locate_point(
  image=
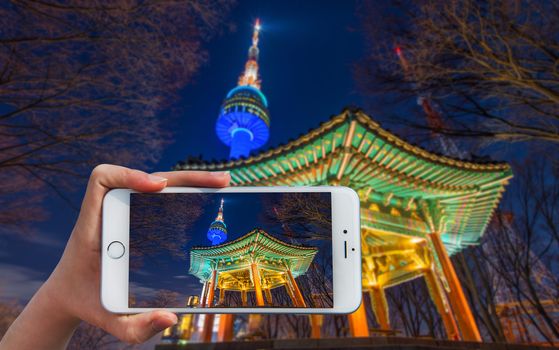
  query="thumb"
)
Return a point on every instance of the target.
[{"x": 139, "y": 328}]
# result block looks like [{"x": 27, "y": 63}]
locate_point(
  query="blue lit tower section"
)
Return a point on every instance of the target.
[
  {"x": 217, "y": 233},
  {"x": 244, "y": 121}
]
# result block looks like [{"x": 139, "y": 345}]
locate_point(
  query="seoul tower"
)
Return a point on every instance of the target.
[
  {"x": 217, "y": 233},
  {"x": 244, "y": 121}
]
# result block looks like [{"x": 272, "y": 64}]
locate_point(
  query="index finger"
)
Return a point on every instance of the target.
[
  {"x": 106, "y": 177},
  {"x": 196, "y": 178}
]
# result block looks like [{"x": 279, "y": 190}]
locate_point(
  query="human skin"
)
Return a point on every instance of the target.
[{"x": 71, "y": 293}]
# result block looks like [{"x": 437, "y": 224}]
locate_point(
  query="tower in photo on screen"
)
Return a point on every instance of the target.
[
  {"x": 217, "y": 233},
  {"x": 418, "y": 208}
]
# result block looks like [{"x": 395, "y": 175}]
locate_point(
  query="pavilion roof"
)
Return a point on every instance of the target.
[
  {"x": 257, "y": 245},
  {"x": 352, "y": 150}
]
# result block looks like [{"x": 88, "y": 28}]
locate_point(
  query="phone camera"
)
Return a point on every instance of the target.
[{"x": 345, "y": 231}]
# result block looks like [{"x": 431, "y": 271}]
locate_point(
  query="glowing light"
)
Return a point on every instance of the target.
[
  {"x": 217, "y": 233},
  {"x": 244, "y": 122},
  {"x": 417, "y": 240}
]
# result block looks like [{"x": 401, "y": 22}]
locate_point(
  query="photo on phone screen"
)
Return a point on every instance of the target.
[{"x": 194, "y": 250}]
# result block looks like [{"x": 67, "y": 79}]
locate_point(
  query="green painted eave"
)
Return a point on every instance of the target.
[{"x": 352, "y": 150}]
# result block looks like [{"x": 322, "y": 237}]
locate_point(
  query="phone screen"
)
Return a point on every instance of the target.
[{"x": 203, "y": 250}]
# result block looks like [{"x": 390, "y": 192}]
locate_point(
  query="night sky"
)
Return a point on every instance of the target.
[
  {"x": 306, "y": 56},
  {"x": 162, "y": 270}
]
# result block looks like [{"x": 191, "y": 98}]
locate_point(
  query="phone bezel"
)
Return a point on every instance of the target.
[{"x": 346, "y": 267}]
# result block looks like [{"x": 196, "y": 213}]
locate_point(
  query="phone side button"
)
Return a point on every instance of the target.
[{"x": 115, "y": 250}]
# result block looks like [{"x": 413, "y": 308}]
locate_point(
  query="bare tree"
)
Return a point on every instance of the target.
[
  {"x": 160, "y": 223},
  {"x": 82, "y": 83},
  {"x": 483, "y": 287},
  {"x": 8, "y": 313},
  {"x": 489, "y": 66},
  {"x": 412, "y": 311},
  {"x": 511, "y": 277},
  {"x": 87, "y": 336},
  {"x": 303, "y": 216}
]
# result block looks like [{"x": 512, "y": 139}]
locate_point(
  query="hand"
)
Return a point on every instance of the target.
[{"x": 71, "y": 293}]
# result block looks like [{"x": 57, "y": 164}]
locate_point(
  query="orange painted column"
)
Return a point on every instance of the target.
[
  {"x": 221, "y": 296},
  {"x": 225, "y": 329},
  {"x": 290, "y": 293},
  {"x": 257, "y": 285},
  {"x": 316, "y": 325},
  {"x": 457, "y": 299},
  {"x": 268, "y": 295},
  {"x": 244, "y": 298},
  {"x": 211, "y": 290},
  {"x": 207, "y": 330},
  {"x": 438, "y": 297},
  {"x": 358, "y": 325},
  {"x": 255, "y": 320},
  {"x": 380, "y": 307},
  {"x": 296, "y": 291},
  {"x": 203, "y": 295}
]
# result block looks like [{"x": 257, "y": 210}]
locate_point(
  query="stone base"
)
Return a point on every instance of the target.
[{"x": 376, "y": 343}]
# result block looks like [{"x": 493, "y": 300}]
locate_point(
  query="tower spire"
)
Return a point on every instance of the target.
[
  {"x": 220, "y": 212},
  {"x": 250, "y": 75}
]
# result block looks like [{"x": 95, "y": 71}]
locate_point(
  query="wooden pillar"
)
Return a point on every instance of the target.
[
  {"x": 358, "y": 325},
  {"x": 300, "y": 302},
  {"x": 380, "y": 307},
  {"x": 203, "y": 294},
  {"x": 290, "y": 293},
  {"x": 225, "y": 329},
  {"x": 257, "y": 284},
  {"x": 207, "y": 329},
  {"x": 316, "y": 325},
  {"x": 268, "y": 295},
  {"x": 457, "y": 299},
  {"x": 211, "y": 289},
  {"x": 244, "y": 298},
  {"x": 221, "y": 296},
  {"x": 438, "y": 296},
  {"x": 254, "y": 322}
]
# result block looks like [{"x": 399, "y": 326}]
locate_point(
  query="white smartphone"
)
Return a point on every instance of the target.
[{"x": 232, "y": 250}]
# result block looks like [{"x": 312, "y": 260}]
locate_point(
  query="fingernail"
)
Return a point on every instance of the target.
[
  {"x": 162, "y": 323},
  {"x": 155, "y": 178},
  {"x": 219, "y": 173}
]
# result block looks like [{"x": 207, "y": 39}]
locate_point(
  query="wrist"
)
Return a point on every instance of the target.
[
  {"x": 43, "y": 324},
  {"x": 50, "y": 300}
]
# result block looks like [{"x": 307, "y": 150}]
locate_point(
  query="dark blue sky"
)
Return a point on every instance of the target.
[
  {"x": 307, "y": 49},
  {"x": 306, "y": 54}
]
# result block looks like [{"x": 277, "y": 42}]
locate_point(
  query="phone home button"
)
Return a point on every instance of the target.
[{"x": 115, "y": 250}]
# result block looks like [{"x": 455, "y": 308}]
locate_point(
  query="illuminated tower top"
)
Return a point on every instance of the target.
[
  {"x": 217, "y": 233},
  {"x": 244, "y": 121},
  {"x": 250, "y": 75}
]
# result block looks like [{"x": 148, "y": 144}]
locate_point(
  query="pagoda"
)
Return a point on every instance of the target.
[
  {"x": 417, "y": 207},
  {"x": 255, "y": 262}
]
